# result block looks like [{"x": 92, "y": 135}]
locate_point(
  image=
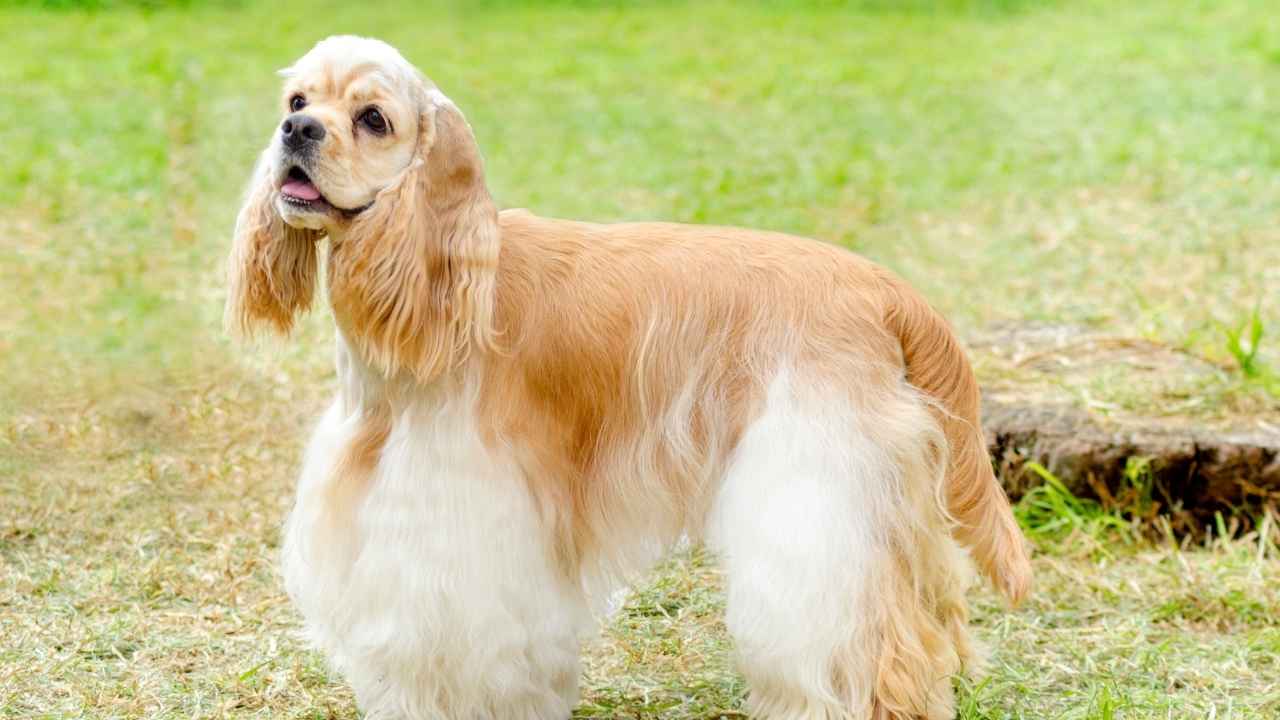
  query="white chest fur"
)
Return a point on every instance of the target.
[{"x": 440, "y": 598}]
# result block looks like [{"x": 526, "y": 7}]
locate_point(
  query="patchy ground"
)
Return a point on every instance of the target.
[
  {"x": 1039, "y": 409},
  {"x": 137, "y": 579},
  {"x": 1108, "y": 167}
]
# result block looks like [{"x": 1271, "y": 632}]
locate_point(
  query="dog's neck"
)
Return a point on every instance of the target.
[{"x": 415, "y": 308}]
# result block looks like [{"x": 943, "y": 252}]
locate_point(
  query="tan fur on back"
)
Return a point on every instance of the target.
[{"x": 646, "y": 346}]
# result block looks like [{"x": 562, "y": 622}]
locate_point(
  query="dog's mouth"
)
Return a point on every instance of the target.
[{"x": 298, "y": 191}]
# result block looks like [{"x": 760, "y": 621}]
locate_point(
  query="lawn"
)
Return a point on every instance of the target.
[{"x": 1112, "y": 166}]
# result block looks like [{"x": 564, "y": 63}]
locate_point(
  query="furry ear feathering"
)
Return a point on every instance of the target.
[{"x": 531, "y": 411}]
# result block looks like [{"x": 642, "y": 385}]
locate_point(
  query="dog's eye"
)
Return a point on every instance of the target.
[
  {"x": 373, "y": 120},
  {"x": 296, "y": 103}
]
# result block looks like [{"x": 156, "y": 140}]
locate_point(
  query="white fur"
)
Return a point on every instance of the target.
[
  {"x": 445, "y": 603},
  {"x": 805, "y": 521}
]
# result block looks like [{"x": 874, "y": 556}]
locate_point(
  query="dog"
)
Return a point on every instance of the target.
[{"x": 531, "y": 411}]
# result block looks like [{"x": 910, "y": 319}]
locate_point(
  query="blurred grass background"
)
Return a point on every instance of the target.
[
  {"x": 1094, "y": 162},
  {"x": 1104, "y": 164}
]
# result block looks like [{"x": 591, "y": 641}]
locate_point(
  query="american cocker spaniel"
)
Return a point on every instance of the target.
[{"x": 530, "y": 411}]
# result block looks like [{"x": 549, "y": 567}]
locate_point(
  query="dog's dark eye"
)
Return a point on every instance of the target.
[
  {"x": 373, "y": 120},
  {"x": 296, "y": 103}
]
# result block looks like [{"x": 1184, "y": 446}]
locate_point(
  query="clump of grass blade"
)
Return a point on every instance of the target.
[{"x": 1051, "y": 514}]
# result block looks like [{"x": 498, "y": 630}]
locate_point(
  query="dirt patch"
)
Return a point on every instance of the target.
[
  {"x": 1040, "y": 409},
  {"x": 1201, "y": 470}
]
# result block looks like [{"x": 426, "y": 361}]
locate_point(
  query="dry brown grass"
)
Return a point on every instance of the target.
[
  {"x": 1006, "y": 156},
  {"x": 138, "y": 580}
]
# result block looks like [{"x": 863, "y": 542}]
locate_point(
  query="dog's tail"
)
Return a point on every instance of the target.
[{"x": 936, "y": 364}]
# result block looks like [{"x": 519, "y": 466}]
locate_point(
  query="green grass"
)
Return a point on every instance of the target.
[{"x": 1104, "y": 164}]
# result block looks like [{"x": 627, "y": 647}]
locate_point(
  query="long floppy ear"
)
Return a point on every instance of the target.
[
  {"x": 271, "y": 273},
  {"x": 412, "y": 280}
]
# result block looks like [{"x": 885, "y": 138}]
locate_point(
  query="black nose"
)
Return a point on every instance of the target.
[{"x": 298, "y": 130}]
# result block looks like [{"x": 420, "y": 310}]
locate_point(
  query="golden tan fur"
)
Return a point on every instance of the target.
[
  {"x": 585, "y": 391},
  {"x": 272, "y": 267},
  {"x": 604, "y": 326},
  {"x": 621, "y": 364},
  {"x": 414, "y": 291},
  {"x": 355, "y": 465}
]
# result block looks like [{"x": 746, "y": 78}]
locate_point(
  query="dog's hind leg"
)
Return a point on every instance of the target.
[{"x": 845, "y": 589}]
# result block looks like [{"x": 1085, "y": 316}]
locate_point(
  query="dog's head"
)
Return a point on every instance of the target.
[
  {"x": 370, "y": 154},
  {"x": 352, "y": 109}
]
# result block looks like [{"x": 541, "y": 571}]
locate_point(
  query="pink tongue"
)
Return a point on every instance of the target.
[{"x": 300, "y": 189}]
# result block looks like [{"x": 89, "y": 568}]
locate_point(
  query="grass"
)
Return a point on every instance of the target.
[
  {"x": 1115, "y": 166},
  {"x": 1244, "y": 348}
]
